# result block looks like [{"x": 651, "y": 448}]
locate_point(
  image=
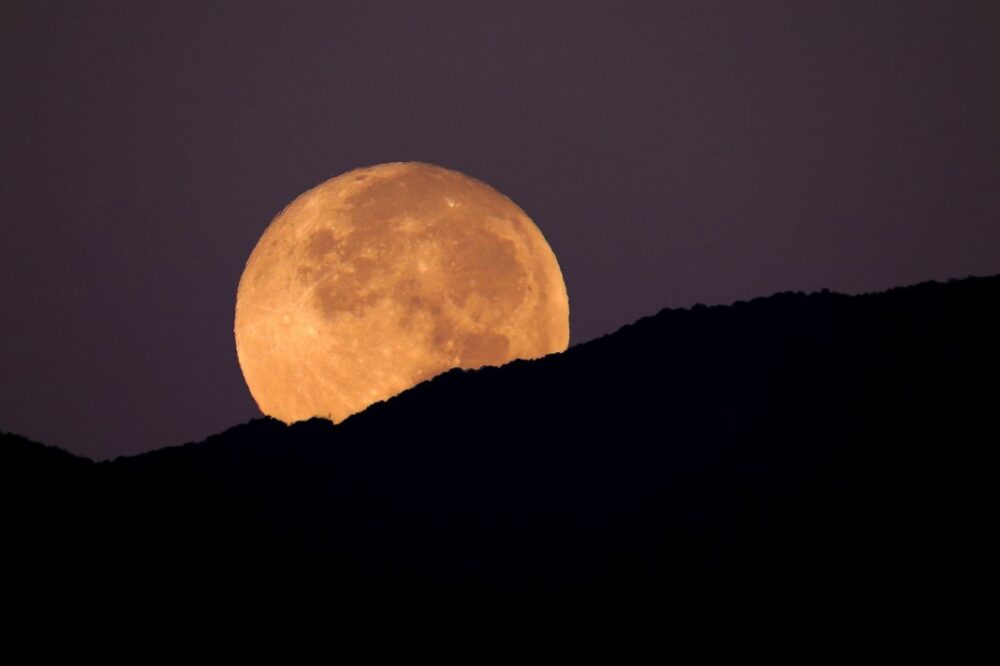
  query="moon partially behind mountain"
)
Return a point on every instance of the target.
[{"x": 385, "y": 276}]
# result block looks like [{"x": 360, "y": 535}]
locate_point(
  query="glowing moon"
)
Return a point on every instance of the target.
[{"x": 388, "y": 275}]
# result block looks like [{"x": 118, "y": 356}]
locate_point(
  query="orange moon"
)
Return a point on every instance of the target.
[{"x": 384, "y": 277}]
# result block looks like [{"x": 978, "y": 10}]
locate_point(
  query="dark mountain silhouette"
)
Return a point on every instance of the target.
[{"x": 816, "y": 449}]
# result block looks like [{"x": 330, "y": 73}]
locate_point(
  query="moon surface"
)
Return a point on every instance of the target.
[{"x": 384, "y": 277}]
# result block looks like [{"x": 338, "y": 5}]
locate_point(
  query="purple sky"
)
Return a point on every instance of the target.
[{"x": 671, "y": 152}]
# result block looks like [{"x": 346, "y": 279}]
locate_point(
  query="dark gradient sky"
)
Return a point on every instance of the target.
[{"x": 671, "y": 152}]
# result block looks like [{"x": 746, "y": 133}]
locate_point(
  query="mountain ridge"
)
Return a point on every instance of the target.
[
  {"x": 709, "y": 448},
  {"x": 664, "y": 312},
  {"x": 623, "y": 330}
]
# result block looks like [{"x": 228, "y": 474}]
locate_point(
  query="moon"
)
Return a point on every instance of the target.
[{"x": 385, "y": 276}]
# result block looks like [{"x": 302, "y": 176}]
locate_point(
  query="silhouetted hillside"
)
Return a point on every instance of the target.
[{"x": 821, "y": 447}]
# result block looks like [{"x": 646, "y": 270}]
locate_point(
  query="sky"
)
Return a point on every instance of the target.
[{"x": 672, "y": 153}]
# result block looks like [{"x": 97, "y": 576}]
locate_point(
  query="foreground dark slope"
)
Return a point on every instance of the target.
[{"x": 813, "y": 444}]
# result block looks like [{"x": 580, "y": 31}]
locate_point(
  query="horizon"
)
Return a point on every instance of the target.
[{"x": 421, "y": 386}]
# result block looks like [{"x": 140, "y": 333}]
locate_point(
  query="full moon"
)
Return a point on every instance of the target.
[{"x": 386, "y": 276}]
